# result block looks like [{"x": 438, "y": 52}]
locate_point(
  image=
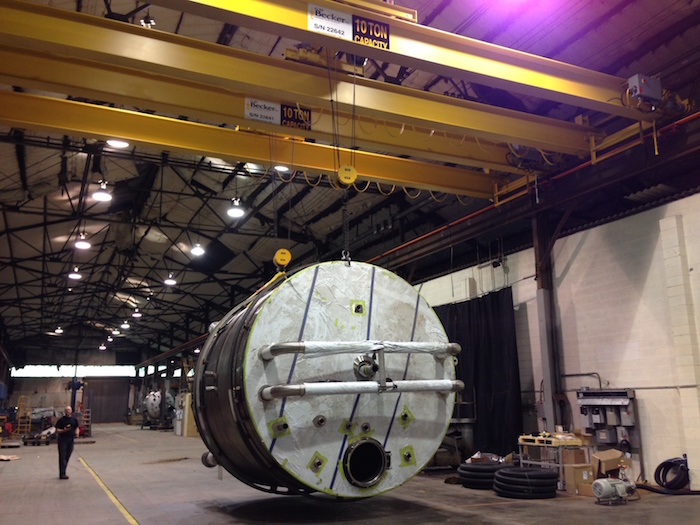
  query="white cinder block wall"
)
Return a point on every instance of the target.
[{"x": 627, "y": 304}]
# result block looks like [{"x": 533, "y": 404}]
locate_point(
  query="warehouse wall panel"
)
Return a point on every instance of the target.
[
  {"x": 108, "y": 398},
  {"x": 627, "y": 300},
  {"x": 43, "y": 392}
]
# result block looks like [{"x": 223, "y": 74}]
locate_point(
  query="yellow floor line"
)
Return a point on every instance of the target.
[
  {"x": 129, "y": 518},
  {"x": 125, "y": 437},
  {"x": 512, "y": 501}
]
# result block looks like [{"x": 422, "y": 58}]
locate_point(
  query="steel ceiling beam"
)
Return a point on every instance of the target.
[
  {"x": 426, "y": 49},
  {"x": 47, "y": 114},
  {"x": 190, "y": 163},
  {"x": 121, "y": 63}
]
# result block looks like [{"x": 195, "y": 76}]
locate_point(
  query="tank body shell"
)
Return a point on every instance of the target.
[
  {"x": 348, "y": 445},
  {"x": 152, "y": 403}
]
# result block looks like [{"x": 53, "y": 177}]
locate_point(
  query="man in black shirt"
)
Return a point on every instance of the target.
[{"x": 67, "y": 429}]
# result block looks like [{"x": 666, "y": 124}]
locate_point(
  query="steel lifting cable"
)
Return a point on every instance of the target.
[
  {"x": 334, "y": 117},
  {"x": 346, "y": 218},
  {"x": 346, "y": 228}
]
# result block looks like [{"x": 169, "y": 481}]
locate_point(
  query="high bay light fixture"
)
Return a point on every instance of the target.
[
  {"x": 82, "y": 243},
  {"x": 236, "y": 210},
  {"x": 117, "y": 144},
  {"x": 102, "y": 195},
  {"x": 147, "y": 21}
]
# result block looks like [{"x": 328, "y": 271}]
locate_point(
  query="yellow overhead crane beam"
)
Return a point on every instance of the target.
[
  {"x": 46, "y": 48},
  {"x": 395, "y": 40},
  {"x": 53, "y": 115},
  {"x": 34, "y": 70}
]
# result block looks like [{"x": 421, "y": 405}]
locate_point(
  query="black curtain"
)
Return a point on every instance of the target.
[{"x": 488, "y": 365}]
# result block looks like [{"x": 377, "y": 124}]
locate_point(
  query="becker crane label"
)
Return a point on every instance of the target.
[
  {"x": 296, "y": 117},
  {"x": 341, "y": 25},
  {"x": 262, "y": 111},
  {"x": 370, "y": 32},
  {"x": 329, "y": 22}
]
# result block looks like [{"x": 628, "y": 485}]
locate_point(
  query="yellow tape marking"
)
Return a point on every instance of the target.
[{"x": 129, "y": 518}]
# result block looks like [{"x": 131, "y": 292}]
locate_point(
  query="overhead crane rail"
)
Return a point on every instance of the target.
[{"x": 170, "y": 73}]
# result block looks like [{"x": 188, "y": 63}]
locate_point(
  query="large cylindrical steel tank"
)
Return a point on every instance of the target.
[
  {"x": 153, "y": 401},
  {"x": 337, "y": 378}
]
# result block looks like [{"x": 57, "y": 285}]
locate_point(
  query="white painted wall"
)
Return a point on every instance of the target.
[
  {"x": 42, "y": 392},
  {"x": 627, "y": 299}
]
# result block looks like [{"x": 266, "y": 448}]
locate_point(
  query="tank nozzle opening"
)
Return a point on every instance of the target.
[{"x": 365, "y": 462}]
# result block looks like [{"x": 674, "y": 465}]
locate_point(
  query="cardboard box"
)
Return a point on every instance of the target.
[
  {"x": 585, "y": 489},
  {"x": 574, "y": 475},
  {"x": 570, "y": 456},
  {"x": 605, "y": 461},
  {"x": 583, "y": 436}
]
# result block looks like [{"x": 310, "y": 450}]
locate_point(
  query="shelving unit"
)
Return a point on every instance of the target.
[
  {"x": 87, "y": 421},
  {"x": 550, "y": 453}
]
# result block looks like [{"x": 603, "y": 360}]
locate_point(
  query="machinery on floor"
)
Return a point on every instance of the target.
[
  {"x": 338, "y": 378},
  {"x": 613, "y": 490},
  {"x": 158, "y": 410}
]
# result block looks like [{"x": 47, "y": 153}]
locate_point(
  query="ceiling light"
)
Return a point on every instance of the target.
[
  {"x": 82, "y": 243},
  {"x": 116, "y": 332},
  {"x": 75, "y": 274},
  {"x": 102, "y": 194},
  {"x": 197, "y": 250},
  {"x": 136, "y": 313},
  {"x": 110, "y": 339},
  {"x": 255, "y": 168},
  {"x": 170, "y": 281},
  {"x": 283, "y": 169},
  {"x": 125, "y": 325},
  {"x": 102, "y": 347},
  {"x": 118, "y": 144},
  {"x": 196, "y": 350},
  {"x": 236, "y": 210},
  {"x": 147, "y": 21},
  {"x": 58, "y": 330}
]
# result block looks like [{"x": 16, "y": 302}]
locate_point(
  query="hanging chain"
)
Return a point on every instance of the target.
[{"x": 346, "y": 229}]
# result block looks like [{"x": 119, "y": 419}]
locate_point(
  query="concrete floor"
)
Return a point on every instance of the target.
[{"x": 145, "y": 477}]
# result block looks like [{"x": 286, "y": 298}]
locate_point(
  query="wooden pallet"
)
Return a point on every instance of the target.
[
  {"x": 550, "y": 441},
  {"x": 40, "y": 439}
]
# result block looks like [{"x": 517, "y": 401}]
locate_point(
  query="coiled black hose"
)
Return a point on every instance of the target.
[
  {"x": 675, "y": 485},
  {"x": 677, "y": 466}
]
